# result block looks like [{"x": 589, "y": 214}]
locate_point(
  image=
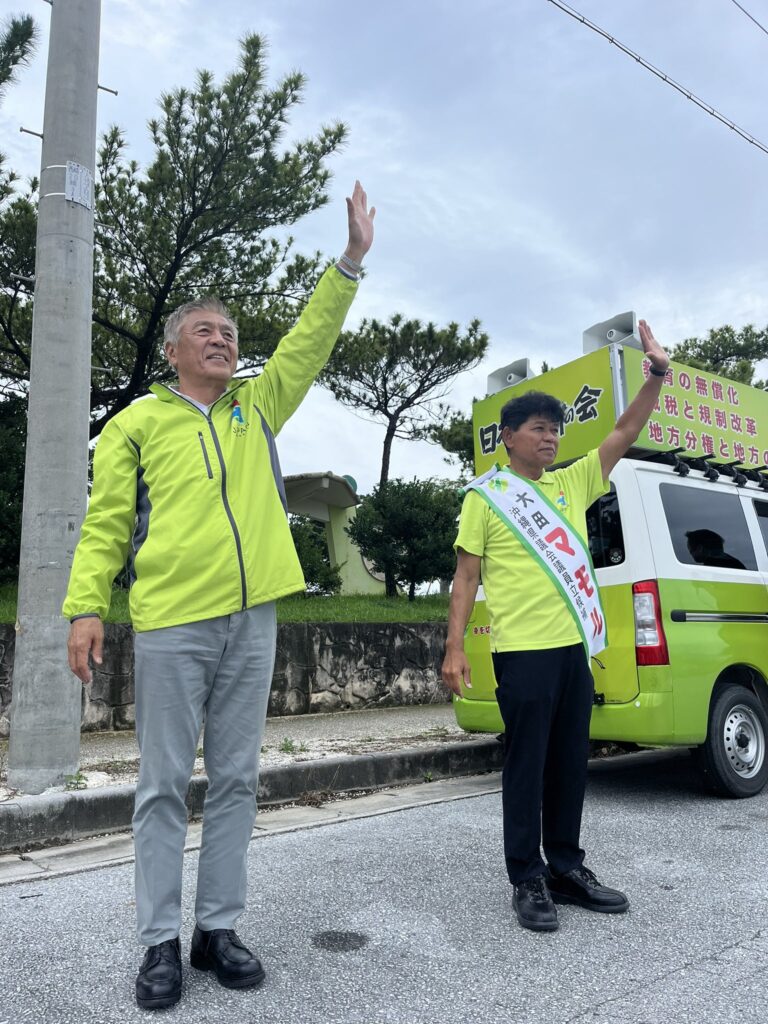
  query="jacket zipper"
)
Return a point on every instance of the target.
[
  {"x": 224, "y": 498},
  {"x": 205, "y": 455},
  {"x": 228, "y": 510}
]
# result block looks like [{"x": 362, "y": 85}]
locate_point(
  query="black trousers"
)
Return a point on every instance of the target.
[{"x": 545, "y": 698}]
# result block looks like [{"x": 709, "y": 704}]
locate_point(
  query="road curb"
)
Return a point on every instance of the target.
[{"x": 55, "y": 818}]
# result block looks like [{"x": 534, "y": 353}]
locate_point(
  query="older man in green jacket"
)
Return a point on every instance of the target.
[{"x": 187, "y": 489}]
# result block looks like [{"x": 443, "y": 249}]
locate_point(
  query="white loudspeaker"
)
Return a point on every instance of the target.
[
  {"x": 621, "y": 328},
  {"x": 508, "y": 375}
]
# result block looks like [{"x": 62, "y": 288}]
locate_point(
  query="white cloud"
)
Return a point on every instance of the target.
[
  {"x": 153, "y": 27},
  {"x": 525, "y": 172},
  {"x": 350, "y": 444}
]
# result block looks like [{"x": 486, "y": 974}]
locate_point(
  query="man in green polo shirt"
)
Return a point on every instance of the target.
[{"x": 544, "y": 684}]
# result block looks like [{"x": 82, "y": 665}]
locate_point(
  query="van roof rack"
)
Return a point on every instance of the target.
[
  {"x": 706, "y": 465},
  {"x": 667, "y": 458}
]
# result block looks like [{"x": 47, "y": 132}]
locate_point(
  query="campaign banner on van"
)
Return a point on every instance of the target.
[
  {"x": 703, "y": 414},
  {"x": 584, "y": 385}
]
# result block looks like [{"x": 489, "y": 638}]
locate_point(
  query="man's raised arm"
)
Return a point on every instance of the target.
[
  {"x": 360, "y": 224},
  {"x": 635, "y": 416},
  {"x": 304, "y": 351}
]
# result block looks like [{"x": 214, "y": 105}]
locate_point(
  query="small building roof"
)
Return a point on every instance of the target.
[{"x": 313, "y": 494}]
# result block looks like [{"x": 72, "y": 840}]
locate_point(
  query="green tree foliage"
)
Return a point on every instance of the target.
[
  {"x": 18, "y": 37},
  {"x": 407, "y": 529},
  {"x": 13, "y": 433},
  {"x": 202, "y": 218},
  {"x": 312, "y": 548},
  {"x": 397, "y": 371},
  {"x": 727, "y": 352},
  {"x": 455, "y": 436},
  {"x": 18, "y": 225}
]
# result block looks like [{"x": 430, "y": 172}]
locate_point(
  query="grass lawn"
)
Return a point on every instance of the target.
[{"x": 299, "y": 608}]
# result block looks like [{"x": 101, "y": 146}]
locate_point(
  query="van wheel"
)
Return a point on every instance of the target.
[{"x": 733, "y": 757}]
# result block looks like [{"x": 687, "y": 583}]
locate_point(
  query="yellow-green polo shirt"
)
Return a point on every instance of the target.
[{"x": 527, "y": 611}]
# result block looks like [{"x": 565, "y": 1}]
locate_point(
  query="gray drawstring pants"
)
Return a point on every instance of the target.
[{"x": 216, "y": 672}]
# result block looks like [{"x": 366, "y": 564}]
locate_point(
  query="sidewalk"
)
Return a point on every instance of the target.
[{"x": 305, "y": 759}]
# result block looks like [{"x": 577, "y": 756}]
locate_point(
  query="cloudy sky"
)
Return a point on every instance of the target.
[{"x": 525, "y": 171}]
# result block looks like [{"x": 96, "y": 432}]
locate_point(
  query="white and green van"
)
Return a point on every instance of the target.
[{"x": 680, "y": 548}]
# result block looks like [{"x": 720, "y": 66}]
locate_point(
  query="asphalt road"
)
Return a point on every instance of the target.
[{"x": 422, "y": 893}]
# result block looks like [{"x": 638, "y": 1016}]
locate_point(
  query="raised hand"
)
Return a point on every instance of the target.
[
  {"x": 653, "y": 350},
  {"x": 360, "y": 224}
]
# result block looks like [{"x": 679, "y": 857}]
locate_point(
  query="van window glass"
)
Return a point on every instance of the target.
[
  {"x": 606, "y": 541},
  {"x": 707, "y": 528},
  {"x": 761, "y": 509}
]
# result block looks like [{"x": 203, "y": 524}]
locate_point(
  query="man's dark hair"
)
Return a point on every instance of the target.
[{"x": 532, "y": 403}]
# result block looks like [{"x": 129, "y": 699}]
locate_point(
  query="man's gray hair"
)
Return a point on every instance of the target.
[{"x": 176, "y": 319}]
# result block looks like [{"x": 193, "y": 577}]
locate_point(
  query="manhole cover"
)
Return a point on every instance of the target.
[{"x": 339, "y": 942}]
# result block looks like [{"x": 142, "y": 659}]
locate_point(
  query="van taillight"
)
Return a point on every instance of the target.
[{"x": 650, "y": 642}]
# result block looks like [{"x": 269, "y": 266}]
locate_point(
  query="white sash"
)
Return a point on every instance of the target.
[{"x": 553, "y": 542}]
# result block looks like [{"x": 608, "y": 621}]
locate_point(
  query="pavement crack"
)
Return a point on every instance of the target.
[{"x": 643, "y": 984}]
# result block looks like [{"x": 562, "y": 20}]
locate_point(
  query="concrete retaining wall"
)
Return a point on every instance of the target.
[{"x": 325, "y": 666}]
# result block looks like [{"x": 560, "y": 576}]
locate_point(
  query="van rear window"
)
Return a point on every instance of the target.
[
  {"x": 761, "y": 509},
  {"x": 606, "y": 540},
  {"x": 707, "y": 528}
]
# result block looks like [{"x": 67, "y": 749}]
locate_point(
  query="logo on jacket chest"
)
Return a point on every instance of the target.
[{"x": 238, "y": 421}]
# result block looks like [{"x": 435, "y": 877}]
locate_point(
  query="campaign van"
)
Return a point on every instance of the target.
[{"x": 679, "y": 548}]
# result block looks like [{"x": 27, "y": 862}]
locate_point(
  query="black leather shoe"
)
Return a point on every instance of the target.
[
  {"x": 533, "y": 905},
  {"x": 158, "y": 983},
  {"x": 222, "y": 951},
  {"x": 581, "y": 887}
]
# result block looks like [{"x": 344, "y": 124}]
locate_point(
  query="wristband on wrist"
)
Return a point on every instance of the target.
[
  {"x": 350, "y": 263},
  {"x": 347, "y": 273},
  {"x": 656, "y": 373}
]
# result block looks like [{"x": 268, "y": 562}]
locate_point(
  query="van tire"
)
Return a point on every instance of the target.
[{"x": 734, "y": 756}]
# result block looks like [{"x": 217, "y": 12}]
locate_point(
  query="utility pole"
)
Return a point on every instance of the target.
[{"x": 46, "y": 697}]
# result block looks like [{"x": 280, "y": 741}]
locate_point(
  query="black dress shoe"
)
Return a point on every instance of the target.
[
  {"x": 581, "y": 887},
  {"x": 533, "y": 905},
  {"x": 158, "y": 983},
  {"x": 222, "y": 951}
]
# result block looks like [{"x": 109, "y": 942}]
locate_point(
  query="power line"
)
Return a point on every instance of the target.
[
  {"x": 664, "y": 77},
  {"x": 745, "y": 11}
]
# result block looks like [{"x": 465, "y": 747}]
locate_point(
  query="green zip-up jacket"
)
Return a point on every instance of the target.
[{"x": 196, "y": 503}]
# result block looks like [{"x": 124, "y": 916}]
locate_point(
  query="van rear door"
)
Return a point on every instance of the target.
[{"x": 615, "y": 671}]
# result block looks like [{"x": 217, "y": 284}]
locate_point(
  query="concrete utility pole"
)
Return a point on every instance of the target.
[{"x": 45, "y": 709}]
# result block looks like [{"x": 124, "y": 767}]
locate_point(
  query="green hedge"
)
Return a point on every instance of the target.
[{"x": 300, "y": 608}]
